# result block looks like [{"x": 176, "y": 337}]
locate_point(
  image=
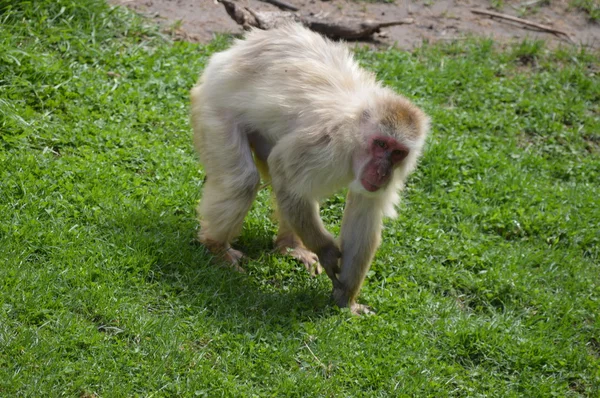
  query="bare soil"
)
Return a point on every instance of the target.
[{"x": 434, "y": 20}]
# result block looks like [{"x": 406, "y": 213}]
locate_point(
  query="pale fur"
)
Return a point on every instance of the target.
[{"x": 317, "y": 108}]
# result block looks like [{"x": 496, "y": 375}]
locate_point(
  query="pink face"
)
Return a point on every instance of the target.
[{"x": 385, "y": 153}]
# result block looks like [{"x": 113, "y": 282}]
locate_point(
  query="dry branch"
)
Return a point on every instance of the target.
[
  {"x": 239, "y": 14},
  {"x": 349, "y": 29},
  {"x": 522, "y": 21},
  {"x": 282, "y": 5},
  {"x": 344, "y": 29},
  {"x": 271, "y": 19}
]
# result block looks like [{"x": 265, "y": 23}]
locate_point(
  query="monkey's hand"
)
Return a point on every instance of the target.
[
  {"x": 361, "y": 309},
  {"x": 329, "y": 257},
  {"x": 341, "y": 298}
]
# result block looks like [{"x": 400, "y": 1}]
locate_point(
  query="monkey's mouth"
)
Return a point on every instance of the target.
[{"x": 368, "y": 186}]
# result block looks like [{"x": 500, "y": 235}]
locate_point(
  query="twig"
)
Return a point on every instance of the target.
[
  {"x": 522, "y": 21},
  {"x": 349, "y": 29},
  {"x": 531, "y": 3},
  {"x": 282, "y": 5},
  {"x": 272, "y": 19},
  {"x": 239, "y": 14},
  {"x": 315, "y": 357}
]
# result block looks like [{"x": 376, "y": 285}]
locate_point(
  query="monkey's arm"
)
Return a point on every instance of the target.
[
  {"x": 360, "y": 238},
  {"x": 303, "y": 216}
]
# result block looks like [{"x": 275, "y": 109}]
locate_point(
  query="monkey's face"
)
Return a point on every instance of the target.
[{"x": 384, "y": 155}]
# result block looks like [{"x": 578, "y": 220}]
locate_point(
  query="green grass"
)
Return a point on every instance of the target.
[
  {"x": 497, "y": 4},
  {"x": 488, "y": 284},
  {"x": 591, "y": 7}
]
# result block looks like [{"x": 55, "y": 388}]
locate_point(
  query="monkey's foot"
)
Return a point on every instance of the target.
[
  {"x": 223, "y": 250},
  {"x": 234, "y": 257},
  {"x": 341, "y": 298}
]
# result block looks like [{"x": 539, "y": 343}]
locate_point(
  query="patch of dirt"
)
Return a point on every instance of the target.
[{"x": 435, "y": 20}]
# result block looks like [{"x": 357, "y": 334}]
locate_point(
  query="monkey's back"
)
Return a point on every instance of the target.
[{"x": 279, "y": 78}]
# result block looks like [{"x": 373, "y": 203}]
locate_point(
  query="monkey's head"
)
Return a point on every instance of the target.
[{"x": 393, "y": 132}]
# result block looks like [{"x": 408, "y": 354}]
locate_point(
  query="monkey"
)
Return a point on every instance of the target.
[{"x": 296, "y": 108}]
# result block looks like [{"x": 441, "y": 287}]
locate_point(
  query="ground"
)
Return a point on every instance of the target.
[{"x": 434, "y": 20}]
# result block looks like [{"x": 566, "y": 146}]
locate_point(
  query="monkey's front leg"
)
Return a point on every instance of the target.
[
  {"x": 303, "y": 216},
  {"x": 360, "y": 236}
]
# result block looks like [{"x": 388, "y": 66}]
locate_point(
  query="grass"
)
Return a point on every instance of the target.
[
  {"x": 487, "y": 284},
  {"x": 591, "y": 7},
  {"x": 497, "y": 4}
]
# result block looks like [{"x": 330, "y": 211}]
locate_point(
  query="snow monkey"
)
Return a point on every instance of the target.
[{"x": 297, "y": 109}]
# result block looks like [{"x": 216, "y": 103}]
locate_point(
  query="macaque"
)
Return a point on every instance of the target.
[{"x": 297, "y": 109}]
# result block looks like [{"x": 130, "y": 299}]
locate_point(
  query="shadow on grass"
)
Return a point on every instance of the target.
[{"x": 267, "y": 296}]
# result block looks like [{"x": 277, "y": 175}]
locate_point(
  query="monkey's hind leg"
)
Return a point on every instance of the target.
[
  {"x": 230, "y": 188},
  {"x": 221, "y": 212}
]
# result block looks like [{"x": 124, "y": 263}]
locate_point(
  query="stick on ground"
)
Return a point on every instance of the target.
[
  {"x": 281, "y": 4},
  {"x": 522, "y": 21},
  {"x": 348, "y": 29}
]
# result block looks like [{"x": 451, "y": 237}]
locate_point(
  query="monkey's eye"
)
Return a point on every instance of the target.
[
  {"x": 380, "y": 144},
  {"x": 398, "y": 155}
]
